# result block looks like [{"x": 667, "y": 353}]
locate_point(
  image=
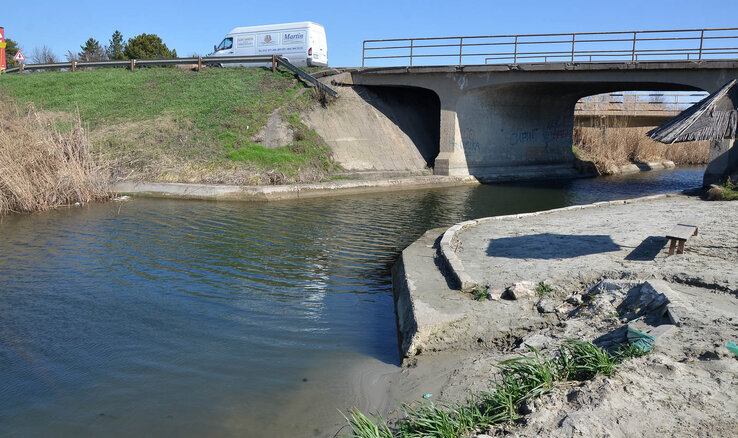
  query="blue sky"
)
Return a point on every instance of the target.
[{"x": 193, "y": 27}]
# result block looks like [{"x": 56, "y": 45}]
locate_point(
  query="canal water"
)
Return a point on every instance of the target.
[{"x": 185, "y": 318}]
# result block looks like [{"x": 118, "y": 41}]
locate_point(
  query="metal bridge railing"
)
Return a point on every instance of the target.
[
  {"x": 681, "y": 44},
  {"x": 638, "y": 102}
]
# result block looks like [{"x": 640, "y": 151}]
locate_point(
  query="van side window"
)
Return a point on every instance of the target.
[{"x": 226, "y": 44}]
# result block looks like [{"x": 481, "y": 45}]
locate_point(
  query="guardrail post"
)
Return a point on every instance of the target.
[
  {"x": 633, "y": 53},
  {"x": 133, "y": 64},
  {"x": 274, "y": 64},
  {"x": 515, "y": 51},
  {"x": 573, "y": 38},
  {"x": 199, "y": 63},
  {"x": 411, "y": 52},
  {"x": 74, "y": 66},
  {"x": 461, "y": 47},
  {"x": 702, "y": 39}
]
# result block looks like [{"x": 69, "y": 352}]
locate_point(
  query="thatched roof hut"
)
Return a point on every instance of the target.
[{"x": 713, "y": 118}]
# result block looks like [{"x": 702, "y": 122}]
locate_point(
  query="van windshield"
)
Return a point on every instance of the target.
[{"x": 226, "y": 44}]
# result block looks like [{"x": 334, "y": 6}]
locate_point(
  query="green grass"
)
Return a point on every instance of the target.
[
  {"x": 214, "y": 99},
  {"x": 522, "y": 378},
  {"x": 166, "y": 115}
]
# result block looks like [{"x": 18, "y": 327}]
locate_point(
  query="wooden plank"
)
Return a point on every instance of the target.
[{"x": 681, "y": 232}]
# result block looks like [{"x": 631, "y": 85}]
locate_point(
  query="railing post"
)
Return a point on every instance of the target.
[
  {"x": 702, "y": 39},
  {"x": 74, "y": 66},
  {"x": 199, "y": 63},
  {"x": 633, "y": 53},
  {"x": 363, "y": 53},
  {"x": 461, "y": 46},
  {"x": 573, "y": 38},
  {"x": 515, "y": 51},
  {"x": 411, "y": 51},
  {"x": 133, "y": 64}
]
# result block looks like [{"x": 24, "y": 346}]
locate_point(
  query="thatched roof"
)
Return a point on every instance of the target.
[{"x": 713, "y": 118}]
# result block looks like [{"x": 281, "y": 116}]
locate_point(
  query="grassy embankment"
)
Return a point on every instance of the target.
[
  {"x": 612, "y": 145},
  {"x": 169, "y": 124},
  {"x": 521, "y": 380}
]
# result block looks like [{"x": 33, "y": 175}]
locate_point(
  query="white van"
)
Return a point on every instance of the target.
[{"x": 301, "y": 43}]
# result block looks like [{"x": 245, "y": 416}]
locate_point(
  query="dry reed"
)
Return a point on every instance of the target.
[
  {"x": 42, "y": 167},
  {"x": 612, "y": 146}
]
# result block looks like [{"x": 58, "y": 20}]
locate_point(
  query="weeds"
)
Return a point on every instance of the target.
[
  {"x": 479, "y": 293},
  {"x": 726, "y": 192},
  {"x": 543, "y": 289},
  {"x": 522, "y": 379},
  {"x": 363, "y": 426}
]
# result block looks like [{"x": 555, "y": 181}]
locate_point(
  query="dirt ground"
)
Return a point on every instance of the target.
[{"x": 688, "y": 386}]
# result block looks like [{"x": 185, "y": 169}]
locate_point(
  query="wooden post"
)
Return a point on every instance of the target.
[
  {"x": 199, "y": 63},
  {"x": 133, "y": 64},
  {"x": 274, "y": 64},
  {"x": 20, "y": 68},
  {"x": 74, "y": 65}
]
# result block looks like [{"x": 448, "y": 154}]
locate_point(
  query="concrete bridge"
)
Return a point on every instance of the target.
[
  {"x": 517, "y": 120},
  {"x": 506, "y": 109}
]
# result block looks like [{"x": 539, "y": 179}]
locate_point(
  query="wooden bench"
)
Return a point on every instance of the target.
[{"x": 682, "y": 231}]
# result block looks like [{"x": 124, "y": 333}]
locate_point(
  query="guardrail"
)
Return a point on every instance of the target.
[
  {"x": 197, "y": 62},
  {"x": 689, "y": 44},
  {"x": 637, "y": 102}
]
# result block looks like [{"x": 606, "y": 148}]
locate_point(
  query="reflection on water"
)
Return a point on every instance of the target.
[{"x": 203, "y": 318}]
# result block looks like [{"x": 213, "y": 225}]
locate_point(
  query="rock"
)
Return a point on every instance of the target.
[
  {"x": 495, "y": 294},
  {"x": 521, "y": 290},
  {"x": 574, "y": 300},
  {"x": 546, "y": 306},
  {"x": 535, "y": 340}
]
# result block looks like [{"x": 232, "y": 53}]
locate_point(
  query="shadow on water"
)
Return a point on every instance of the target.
[{"x": 545, "y": 246}]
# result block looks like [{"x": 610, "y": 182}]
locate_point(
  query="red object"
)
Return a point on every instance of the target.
[
  {"x": 19, "y": 56},
  {"x": 310, "y": 51},
  {"x": 2, "y": 49}
]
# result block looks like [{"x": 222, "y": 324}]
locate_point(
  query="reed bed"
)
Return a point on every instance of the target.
[
  {"x": 609, "y": 147},
  {"x": 42, "y": 166}
]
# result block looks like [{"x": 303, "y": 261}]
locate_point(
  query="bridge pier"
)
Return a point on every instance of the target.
[
  {"x": 506, "y": 131},
  {"x": 451, "y": 159}
]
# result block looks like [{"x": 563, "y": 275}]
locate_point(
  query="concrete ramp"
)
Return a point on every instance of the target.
[{"x": 382, "y": 129}]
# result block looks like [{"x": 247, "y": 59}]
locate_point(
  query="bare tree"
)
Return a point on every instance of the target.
[
  {"x": 71, "y": 57},
  {"x": 43, "y": 55}
]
